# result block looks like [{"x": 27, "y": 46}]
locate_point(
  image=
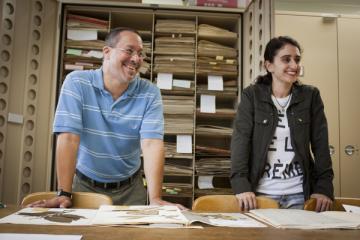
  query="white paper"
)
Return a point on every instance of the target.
[
  {"x": 27, "y": 236},
  {"x": 207, "y": 104},
  {"x": 181, "y": 83},
  {"x": 302, "y": 219},
  {"x": 51, "y": 216},
  {"x": 183, "y": 143},
  {"x": 352, "y": 208},
  {"x": 95, "y": 54},
  {"x": 205, "y": 182},
  {"x": 112, "y": 214},
  {"x": 82, "y": 34},
  {"x": 223, "y": 219},
  {"x": 215, "y": 83},
  {"x": 164, "y": 80}
]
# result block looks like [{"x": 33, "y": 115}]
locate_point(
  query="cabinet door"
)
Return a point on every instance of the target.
[
  {"x": 349, "y": 79},
  {"x": 319, "y": 58}
]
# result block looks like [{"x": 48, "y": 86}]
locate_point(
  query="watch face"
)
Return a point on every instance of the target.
[{"x": 63, "y": 193}]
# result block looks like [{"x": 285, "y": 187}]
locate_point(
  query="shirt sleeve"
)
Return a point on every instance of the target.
[
  {"x": 68, "y": 115},
  {"x": 153, "y": 122}
]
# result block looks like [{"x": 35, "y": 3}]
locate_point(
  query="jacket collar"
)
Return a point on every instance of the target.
[{"x": 297, "y": 93}]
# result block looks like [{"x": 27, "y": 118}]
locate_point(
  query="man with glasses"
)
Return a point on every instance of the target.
[{"x": 104, "y": 119}]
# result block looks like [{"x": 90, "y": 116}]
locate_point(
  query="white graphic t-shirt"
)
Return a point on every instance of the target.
[{"x": 282, "y": 175}]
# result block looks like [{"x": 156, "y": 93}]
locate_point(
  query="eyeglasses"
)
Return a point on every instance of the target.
[{"x": 131, "y": 53}]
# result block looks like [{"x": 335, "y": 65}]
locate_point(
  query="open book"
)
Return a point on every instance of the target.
[
  {"x": 120, "y": 215},
  {"x": 301, "y": 219}
]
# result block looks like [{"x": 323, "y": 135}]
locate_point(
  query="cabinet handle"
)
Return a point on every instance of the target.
[
  {"x": 350, "y": 150},
  {"x": 332, "y": 150}
]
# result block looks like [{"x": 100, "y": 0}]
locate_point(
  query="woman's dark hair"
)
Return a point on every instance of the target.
[
  {"x": 113, "y": 37},
  {"x": 271, "y": 49}
]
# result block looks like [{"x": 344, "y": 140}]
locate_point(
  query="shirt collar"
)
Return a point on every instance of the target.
[{"x": 98, "y": 82}]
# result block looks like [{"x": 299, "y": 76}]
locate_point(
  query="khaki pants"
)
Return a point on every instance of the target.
[{"x": 131, "y": 194}]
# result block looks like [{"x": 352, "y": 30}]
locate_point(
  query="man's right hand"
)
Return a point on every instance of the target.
[
  {"x": 55, "y": 202},
  {"x": 246, "y": 200}
]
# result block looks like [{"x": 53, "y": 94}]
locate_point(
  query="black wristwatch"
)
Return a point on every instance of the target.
[{"x": 61, "y": 192}]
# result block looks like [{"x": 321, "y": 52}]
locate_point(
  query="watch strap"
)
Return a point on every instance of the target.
[{"x": 61, "y": 192}]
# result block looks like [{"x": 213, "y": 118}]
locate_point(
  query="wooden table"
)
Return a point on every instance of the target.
[{"x": 207, "y": 233}]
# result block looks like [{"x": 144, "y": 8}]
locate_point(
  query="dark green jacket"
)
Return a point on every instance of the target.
[{"x": 254, "y": 128}]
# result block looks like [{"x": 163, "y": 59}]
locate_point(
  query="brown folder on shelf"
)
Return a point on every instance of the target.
[
  {"x": 175, "y": 26},
  {"x": 212, "y": 130},
  {"x": 210, "y": 150},
  {"x": 205, "y": 30},
  {"x": 177, "y": 169},
  {"x": 179, "y": 125},
  {"x": 90, "y": 44},
  {"x": 78, "y": 21},
  {"x": 178, "y": 105},
  {"x": 212, "y": 166},
  {"x": 170, "y": 151},
  {"x": 211, "y": 49},
  {"x": 180, "y": 189}
]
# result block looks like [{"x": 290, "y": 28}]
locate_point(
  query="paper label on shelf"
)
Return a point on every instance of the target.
[
  {"x": 219, "y": 57},
  {"x": 72, "y": 51},
  {"x": 95, "y": 54},
  {"x": 205, "y": 182},
  {"x": 164, "y": 80},
  {"x": 183, "y": 143},
  {"x": 15, "y": 118},
  {"x": 207, "y": 104},
  {"x": 82, "y": 34},
  {"x": 215, "y": 83},
  {"x": 230, "y": 61},
  {"x": 181, "y": 83}
]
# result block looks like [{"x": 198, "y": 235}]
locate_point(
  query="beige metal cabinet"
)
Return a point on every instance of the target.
[{"x": 329, "y": 60}]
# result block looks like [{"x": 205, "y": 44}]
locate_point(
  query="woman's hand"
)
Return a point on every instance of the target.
[
  {"x": 247, "y": 201},
  {"x": 323, "y": 203}
]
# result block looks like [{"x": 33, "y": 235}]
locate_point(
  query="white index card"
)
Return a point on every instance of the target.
[
  {"x": 82, "y": 34},
  {"x": 215, "y": 83},
  {"x": 207, "y": 104},
  {"x": 164, "y": 80},
  {"x": 205, "y": 182},
  {"x": 181, "y": 83},
  {"x": 183, "y": 144}
]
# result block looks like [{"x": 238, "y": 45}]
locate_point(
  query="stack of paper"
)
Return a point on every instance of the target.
[
  {"x": 175, "y": 46},
  {"x": 173, "y": 169},
  {"x": 213, "y": 191},
  {"x": 175, "y": 26},
  {"x": 179, "y": 125},
  {"x": 180, "y": 65},
  {"x": 86, "y": 44},
  {"x": 302, "y": 219},
  {"x": 209, "y": 130},
  {"x": 175, "y": 55},
  {"x": 170, "y": 151},
  {"x": 213, "y": 166},
  {"x": 208, "y": 150},
  {"x": 83, "y": 22},
  {"x": 206, "y": 30},
  {"x": 217, "y": 66},
  {"x": 179, "y": 189},
  {"x": 212, "y": 49},
  {"x": 83, "y": 47},
  {"x": 183, "y": 105}
]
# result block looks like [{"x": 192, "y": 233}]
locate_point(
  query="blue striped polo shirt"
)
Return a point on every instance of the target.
[{"x": 110, "y": 131}]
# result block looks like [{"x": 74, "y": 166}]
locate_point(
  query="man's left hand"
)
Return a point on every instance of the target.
[
  {"x": 323, "y": 203},
  {"x": 159, "y": 201}
]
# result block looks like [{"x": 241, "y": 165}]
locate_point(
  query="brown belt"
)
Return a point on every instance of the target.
[{"x": 109, "y": 185}]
